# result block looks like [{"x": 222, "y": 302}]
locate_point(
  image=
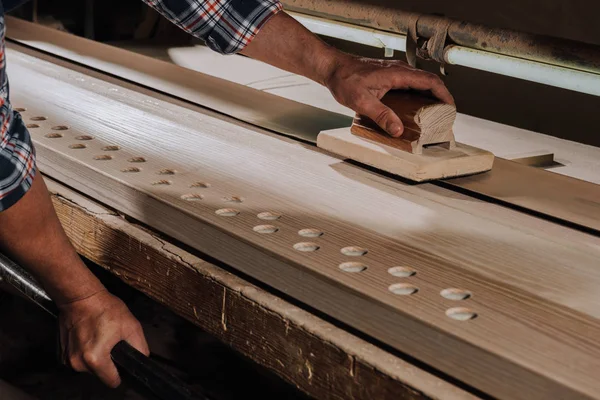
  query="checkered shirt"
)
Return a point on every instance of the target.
[
  {"x": 226, "y": 26},
  {"x": 17, "y": 156}
]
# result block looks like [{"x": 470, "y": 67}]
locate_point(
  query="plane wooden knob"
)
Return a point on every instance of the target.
[{"x": 427, "y": 121}]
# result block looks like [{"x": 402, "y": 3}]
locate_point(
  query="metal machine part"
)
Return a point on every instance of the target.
[{"x": 549, "y": 50}]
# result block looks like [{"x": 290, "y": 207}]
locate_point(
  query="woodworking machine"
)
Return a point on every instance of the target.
[{"x": 340, "y": 275}]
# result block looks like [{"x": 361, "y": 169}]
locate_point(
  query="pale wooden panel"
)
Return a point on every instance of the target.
[
  {"x": 436, "y": 162},
  {"x": 268, "y": 111},
  {"x": 533, "y": 285}
]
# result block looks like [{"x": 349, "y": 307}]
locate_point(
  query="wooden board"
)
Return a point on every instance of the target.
[
  {"x": 320, "y": 359},
  {"x": 267, "y": 111},
  {"x": 217, "y": 94},
  {"x": 436, "y": 162},
  {"x": 256, "y": 202},
  {"x": 575, "y": 201}
]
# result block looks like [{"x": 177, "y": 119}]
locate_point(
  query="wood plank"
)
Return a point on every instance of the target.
[
  {"x": 305, "y": 122},
  {"x": 436, "y": 162},
  {"x": 576, "y": 201},
  {"x": 533, "y": 285},
  {"x": 322, "y": 360},
  {"x": 217, "y": 94}
]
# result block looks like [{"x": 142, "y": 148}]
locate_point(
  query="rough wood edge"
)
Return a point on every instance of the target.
[{"x": 320, "y": 359}]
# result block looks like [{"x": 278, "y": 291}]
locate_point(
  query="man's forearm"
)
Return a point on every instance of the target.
[
  {"x": 358, "y": 83},
  {"x": 31, "y": 234},
  {"x": 91, "y": 320},
  {"x": 283, "y": 42}
]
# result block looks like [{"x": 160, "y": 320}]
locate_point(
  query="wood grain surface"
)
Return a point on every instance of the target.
[
  {"x": 322, "y": 360},
  {"x": 305, "y": 122},
  {"x": 407, "y": 265},
  {"x": 559, "y": 196},
  {"x": 259, "y": 108}
]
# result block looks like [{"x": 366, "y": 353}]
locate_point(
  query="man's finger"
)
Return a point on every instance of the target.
[
  {"x": 421, "y": 80},
  {"x": 138, "y": 341},
  {"x": 103, "y": 367},
  {"x": 73, "y": 357},
  {"x": 382, "y": 115}
]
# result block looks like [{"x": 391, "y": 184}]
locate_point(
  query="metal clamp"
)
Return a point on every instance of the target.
[{"x": 427, "y": 49}]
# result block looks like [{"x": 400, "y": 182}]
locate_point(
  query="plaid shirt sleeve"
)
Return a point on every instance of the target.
[
  {"x": 17, "y": 155},
  {"x": 226, "y": 26}
]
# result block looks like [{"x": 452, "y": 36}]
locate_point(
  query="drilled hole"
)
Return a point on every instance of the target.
[
  {"x": 461, "y": 313},
  {"x": 161, "y": 182},
  {"x": 84, "y": 137},
  {"x": 77, "y": 146},
  {"x": 227, "y": 212},
  {"x": 166, "y": 171},
  {"x": 306, "y": 246},
  {"x": 53, "y": 135},
  {"x": 402, "y": 272},
  {"x": 20, "y": 109},
  {"x": 202, "y": 185},
  {"x": 111, "y": 148},
  {"x": 137, "y": 160},
  {"x": 32, "y": 126},
  {"x": 192, "y": 197},
  {"x": 455, "y": 294},
  {"x": 234, "y": 199},
  {"x": 60, "y": 128},
  {"x": 102, "y": 157},
  {"x": 265, "y": 229},
  {"x": 353, "y": 251},
  {"x": 131, "y": 169},
  {"x": 403, "y": 289},
  {"x": 353, "y": 267},
  {"x": 269, "y": 216},
  {"x": 38, "y": 118},
  {"x": 311, "y": 233}
]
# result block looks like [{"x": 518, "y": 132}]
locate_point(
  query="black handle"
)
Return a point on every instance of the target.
[{"x": 147, "y": 372}]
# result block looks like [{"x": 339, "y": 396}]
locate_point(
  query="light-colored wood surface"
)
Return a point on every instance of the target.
[
  {"x": 259, "y": 108},
  {"x": 247, "y": 198},
  {"x": 579, "y": 161},
  {"x": 322, "y": 360},
  {"x": 435, "y": 162},
  {"x": 426, "y": 122},
  {"x": 559, "y": 196}
]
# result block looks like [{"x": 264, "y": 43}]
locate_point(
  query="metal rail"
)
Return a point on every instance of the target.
[
  {"x": 539, "y": 48},
  {"x": 546, "y": 74}
]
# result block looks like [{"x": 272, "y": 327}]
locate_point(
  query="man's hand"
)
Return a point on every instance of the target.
[
  {"x": 92, "y": 321},
  {"x": 360, "y": 83},
  {"x": 91, "y": 327},
  {"x": 355, "y": 82}
]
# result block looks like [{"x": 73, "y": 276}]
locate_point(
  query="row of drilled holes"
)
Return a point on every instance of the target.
[
  {"x": 106, "y": 157},
  {"x": 454, "y": 294}
]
